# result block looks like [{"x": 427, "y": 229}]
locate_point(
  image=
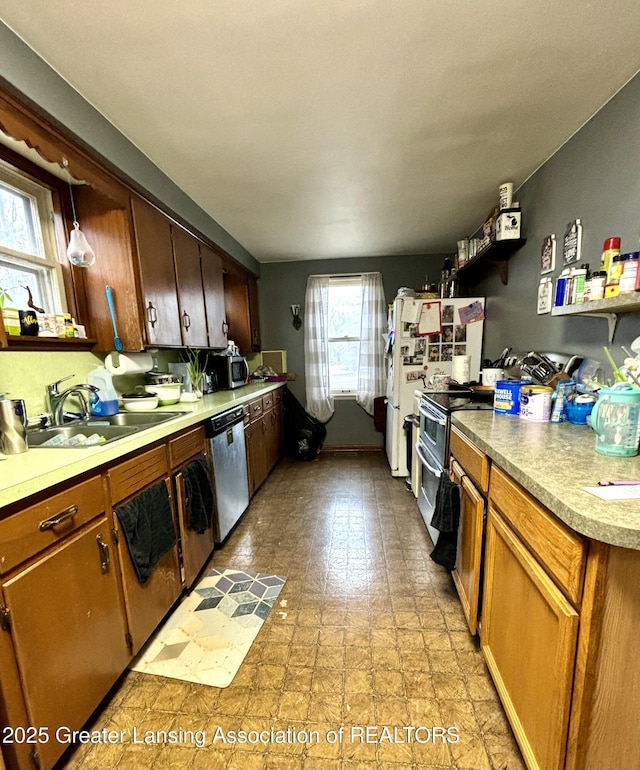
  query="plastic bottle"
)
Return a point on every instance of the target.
[
  {"x": 597, "y": 283},
  {"x": 561, "y": 285},
  {"x": 629, "y": 273},
  {"x": 610, "y": 249},
  {"x": 613, "y": 276},
  {"x": 579, "y": 280},
  {"x": 106, "y": 402}
]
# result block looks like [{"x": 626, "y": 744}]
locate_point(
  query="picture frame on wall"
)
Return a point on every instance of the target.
[{"x": 548, "y": 255}]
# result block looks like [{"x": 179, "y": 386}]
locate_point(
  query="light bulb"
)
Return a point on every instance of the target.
[{"x": 79, "y": 252}]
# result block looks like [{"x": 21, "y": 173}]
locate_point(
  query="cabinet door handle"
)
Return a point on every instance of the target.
[
  {"x": 225, "y": 327},
  {"x": 103, "y": 550},
  {"x": 59, "y": 518},
  {"x": 152, "y": 314},
  {"x": 186, "y": 320}
]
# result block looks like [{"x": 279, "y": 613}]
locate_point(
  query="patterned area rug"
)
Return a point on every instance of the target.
[{"x": 206, "y": 638}]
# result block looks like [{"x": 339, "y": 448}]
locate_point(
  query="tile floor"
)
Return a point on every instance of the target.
[{"x": 371, "y": 635}]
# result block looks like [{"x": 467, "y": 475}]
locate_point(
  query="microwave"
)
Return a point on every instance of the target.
[{"x": 229, "y": 371}]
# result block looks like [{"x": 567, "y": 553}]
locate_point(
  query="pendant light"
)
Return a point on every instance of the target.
[{"x": 78, "y": 251}]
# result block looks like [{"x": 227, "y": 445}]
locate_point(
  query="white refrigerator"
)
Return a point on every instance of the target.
[{"x": 423, "y": 337}]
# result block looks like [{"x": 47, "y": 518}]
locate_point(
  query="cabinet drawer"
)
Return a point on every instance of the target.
[
  {"x": 32, "y": 530},
  {"x": 133, "y": 475},
  {"x": 474, "y": 462},
  {"x": 255, "y": 408},
  {"x": 267, "y": 402},
  {"x": 560, "y": 550},
  {"x": 186, "y": 446},
  {"x": 277, "y": 396}
]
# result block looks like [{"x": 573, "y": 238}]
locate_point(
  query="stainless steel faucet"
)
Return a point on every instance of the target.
[{"x": 57, "y": 399}]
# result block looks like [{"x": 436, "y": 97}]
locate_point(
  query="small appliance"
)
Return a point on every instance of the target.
[{"x": 230, "y": 371}]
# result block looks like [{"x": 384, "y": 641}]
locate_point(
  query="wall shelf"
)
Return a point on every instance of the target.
[
  {"x": 603, "y": 308},
  {"x": 15, "y": 342},
  {"x": 496, "y": 253}
]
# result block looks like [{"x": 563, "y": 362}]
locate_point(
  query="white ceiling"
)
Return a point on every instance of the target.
[{"x": 343, "y": 127}]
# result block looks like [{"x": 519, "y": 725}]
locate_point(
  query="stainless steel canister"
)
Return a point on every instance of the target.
[{"x": 13, "y": 426}]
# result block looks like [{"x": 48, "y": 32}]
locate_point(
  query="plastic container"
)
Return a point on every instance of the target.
[
  {"x": 579, "y": 280},
  {"x": 578, "y": 411},
  {"x": 106, "y": 402},
  {"x": 535, "y": 403},
  {"x": 616, "y": 420},
  {"x": 596, "y": 284},
  {"x": 506, "y": 398},
  {"x": 561, "y": 288},
  {"x": 629, "y": 273}
]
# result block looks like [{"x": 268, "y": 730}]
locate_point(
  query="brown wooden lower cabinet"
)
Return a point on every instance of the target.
[
  {"x": 264, "y": 437},
  {"x": 69, "y": 637},
  {"x": 468, "y": 568},
  {"x": 529, "y": 634},
  {"x": 195, "y": 546},
  {"x": 146, "y": 603}
]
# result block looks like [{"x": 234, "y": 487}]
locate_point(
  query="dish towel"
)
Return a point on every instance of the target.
[
  {"x": 147, "y": 523},
  {"x": 446, "y": 518},
  {"x": 199, "y": 494}
]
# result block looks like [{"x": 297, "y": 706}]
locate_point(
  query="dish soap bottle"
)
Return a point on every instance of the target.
[{"x": 105, "y": 402}]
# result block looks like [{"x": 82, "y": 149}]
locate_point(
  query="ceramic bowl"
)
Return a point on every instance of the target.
[
  {"x": 168, "y": 393},
  {"x": 140, "y": 401}
]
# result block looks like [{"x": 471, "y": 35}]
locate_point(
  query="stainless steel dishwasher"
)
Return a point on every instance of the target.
[{"x": 229, "y": 462}]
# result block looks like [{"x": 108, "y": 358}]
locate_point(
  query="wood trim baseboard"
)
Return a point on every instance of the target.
[{"x": 352, "y": 448}]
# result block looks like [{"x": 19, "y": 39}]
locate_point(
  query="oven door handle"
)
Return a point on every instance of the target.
[
  {"x": 432, "y": 416},
  {"x": 437, "y": 473}
]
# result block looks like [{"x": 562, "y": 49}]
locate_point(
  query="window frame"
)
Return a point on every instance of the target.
[
  {"x": 351, "y": 279},
  {"x": 45, "y": 210}
]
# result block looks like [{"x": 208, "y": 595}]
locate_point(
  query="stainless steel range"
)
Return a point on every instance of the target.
[{"x": 433, "y": 443}]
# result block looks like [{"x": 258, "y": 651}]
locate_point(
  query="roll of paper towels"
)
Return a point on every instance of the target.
[
  {"x": 128, "y": 363},
  {"x": 461, "y": 370}
]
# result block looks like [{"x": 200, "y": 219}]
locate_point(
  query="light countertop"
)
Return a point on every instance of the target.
[
  {"x": 38, "y": 469},
  {"x": 553, "y": 462}
]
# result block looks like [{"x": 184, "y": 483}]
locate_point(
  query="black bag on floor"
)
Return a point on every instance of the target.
[{"x": 303, "y": 434}]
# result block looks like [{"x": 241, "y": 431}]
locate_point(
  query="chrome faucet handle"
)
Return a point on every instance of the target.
[{"x": 52, "y": 389}]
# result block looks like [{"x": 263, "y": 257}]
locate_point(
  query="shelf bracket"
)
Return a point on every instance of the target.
[
  {"x": 503, "y": 269},
  {"x": 612, "y": 321}
]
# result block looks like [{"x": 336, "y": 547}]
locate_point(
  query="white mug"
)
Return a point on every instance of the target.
[{"x": 491, "y": 376}]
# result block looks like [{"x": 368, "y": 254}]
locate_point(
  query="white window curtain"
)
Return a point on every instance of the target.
[
  {"x": 371, "y": 375},
  {"x": 316, "y": 348}
]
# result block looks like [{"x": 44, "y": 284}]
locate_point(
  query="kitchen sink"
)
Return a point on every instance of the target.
[
  {"x": 74, "y": 436},
  {"x": 137, "y": 419},
  {"x": 97, "y": 430}
]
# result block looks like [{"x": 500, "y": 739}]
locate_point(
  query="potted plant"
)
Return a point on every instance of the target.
[{"x": 197, "y": 366}]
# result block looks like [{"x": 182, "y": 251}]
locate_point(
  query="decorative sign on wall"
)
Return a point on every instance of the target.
[
  {"x": 545, "y": 295},
  {"x": 548, "y": 255},
  {"x": 572, "y": 246}
]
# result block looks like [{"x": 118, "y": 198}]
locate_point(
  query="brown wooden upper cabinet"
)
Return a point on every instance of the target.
[
  {"x": 241, "y": 305},
  {"x": 157, "y": 274},
  {"x": 193, "y": 320},
  {"x": 181, "y": 280},
  {"x": 212, "y": 284}
]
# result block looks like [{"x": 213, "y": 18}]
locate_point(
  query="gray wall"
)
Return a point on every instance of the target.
[
  {"x": 594, "y": 177},
  {"x": 27, "y": 72},
  {"x": 283, "y": 284}
]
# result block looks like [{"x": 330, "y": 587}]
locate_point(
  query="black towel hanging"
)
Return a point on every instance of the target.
[
  {"x": 149, "y": 531},
  {"x": 446, "y": 519},
  {"x": 199, "y": 494}
]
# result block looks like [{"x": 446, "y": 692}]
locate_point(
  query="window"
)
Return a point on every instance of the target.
[
  {"x": 345, "y": 321},
  {"x": 28, "y": 252},
  {"x": 344, "y": 318}
]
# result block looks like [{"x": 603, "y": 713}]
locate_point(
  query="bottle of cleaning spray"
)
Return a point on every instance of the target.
[{"x": 106, "y": 400}]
